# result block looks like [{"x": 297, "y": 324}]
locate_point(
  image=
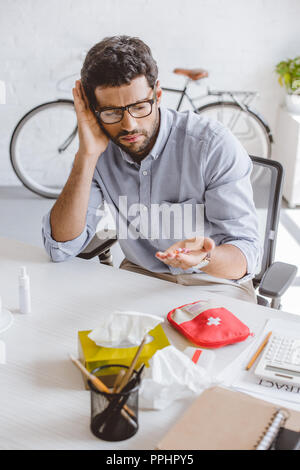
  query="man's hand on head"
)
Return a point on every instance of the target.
[{"x": 92, "y": 140}]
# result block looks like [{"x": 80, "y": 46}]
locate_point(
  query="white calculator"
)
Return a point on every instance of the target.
[{"x": 280, "y": 360}]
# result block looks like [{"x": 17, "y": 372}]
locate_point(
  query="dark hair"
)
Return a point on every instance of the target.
[{"x": 116, "y": 61}]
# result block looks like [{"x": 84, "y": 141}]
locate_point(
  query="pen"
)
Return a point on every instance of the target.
[
  {"x": 140, "y": 371},
  {"x": 134, "y": 380},
  {"x": 258, "y": 352}
]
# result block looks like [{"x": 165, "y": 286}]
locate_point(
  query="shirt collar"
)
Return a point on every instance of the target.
[{"x": 162, "y": 137}]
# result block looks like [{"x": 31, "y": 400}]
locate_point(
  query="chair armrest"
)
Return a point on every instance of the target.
[
  {"x": 262, "y": 301},
  {"x": 101, "y": 242},
  {"x": 277, "y": 279}
]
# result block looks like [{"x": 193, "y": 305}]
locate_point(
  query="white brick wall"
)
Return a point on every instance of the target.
[{"x": 238, "y": 41}]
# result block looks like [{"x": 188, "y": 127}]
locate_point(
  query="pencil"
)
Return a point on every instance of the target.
[
  {"x": 118, "y": 379},
  {"x": 99, "y": 384},
  {"x": 259, "y": 350},
  {"x": 128, "y": 374}
]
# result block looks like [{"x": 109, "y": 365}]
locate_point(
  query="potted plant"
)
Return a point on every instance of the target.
[{"x": 289, "y": 77}]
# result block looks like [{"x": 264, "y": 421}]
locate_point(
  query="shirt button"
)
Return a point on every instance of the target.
[{"x": 145, "y": 173}]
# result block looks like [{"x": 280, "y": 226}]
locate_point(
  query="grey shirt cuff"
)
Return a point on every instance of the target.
[{"x": 60, "y": 251}]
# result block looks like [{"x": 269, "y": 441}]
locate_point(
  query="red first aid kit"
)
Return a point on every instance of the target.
[{"x": 208, "y": 325}]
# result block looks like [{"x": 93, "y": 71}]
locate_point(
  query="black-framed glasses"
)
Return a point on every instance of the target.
[{"x": 137, "y": 110}]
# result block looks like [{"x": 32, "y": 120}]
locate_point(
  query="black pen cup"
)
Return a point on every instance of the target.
[{"x": 114, "y": 416}]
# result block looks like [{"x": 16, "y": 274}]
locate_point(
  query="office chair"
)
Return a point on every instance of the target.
[{"x": 272, "y": 279}]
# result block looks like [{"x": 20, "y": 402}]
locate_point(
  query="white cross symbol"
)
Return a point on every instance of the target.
[{"x": 213, "y": 321}]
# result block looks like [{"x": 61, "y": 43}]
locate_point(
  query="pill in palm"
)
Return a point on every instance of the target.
[{"x": 182, "y": 250}]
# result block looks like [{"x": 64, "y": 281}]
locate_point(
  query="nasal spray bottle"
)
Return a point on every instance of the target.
[{"x": 24, "y": 292}]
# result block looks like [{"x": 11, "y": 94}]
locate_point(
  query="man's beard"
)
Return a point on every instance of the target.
[{"x": 144, "y": 148}]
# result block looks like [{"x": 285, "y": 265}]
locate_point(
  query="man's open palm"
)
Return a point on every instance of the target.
[{"x": 187, "y": 253}]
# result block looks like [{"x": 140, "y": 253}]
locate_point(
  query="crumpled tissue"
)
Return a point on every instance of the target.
[
  {"x": 123, "y": 328},
  {"x": 172, "y": 375}
]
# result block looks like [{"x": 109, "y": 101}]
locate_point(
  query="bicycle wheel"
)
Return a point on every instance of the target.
[
  {"x": 247, "y": 126},
  {"x": 43, "y": 147}
]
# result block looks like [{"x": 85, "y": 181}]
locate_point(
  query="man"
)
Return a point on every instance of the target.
[{"x": 130, "y": 147}]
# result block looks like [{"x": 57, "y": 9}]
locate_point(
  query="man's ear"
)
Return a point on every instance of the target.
[{"x": 158, "y": 92}]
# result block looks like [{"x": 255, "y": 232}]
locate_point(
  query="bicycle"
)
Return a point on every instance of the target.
[
  {"x": 43, "y": 164},
  {"x": 244, "y": 122}
]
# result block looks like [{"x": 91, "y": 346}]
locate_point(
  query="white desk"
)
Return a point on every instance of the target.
[{"x": 42, "y": 400}]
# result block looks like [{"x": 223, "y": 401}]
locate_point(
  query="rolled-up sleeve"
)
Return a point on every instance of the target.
[
  {"x": 61, "y": 251},
  {"x": 229, "y": 204}
]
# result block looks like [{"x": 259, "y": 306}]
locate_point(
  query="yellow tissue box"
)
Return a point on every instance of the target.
[{"x": 93, "y": 356}]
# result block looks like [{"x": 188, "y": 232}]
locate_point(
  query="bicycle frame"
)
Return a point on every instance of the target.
[
  {"x": 70, "y": 138},
  {"x": 183, "y": 94},
  {"x": 248, "y": 96}
]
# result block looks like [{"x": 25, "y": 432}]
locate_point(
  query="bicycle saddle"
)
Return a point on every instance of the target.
[{"x": 193, "y": 74}]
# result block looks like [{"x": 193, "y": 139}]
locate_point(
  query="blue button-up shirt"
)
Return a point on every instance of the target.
[{"x": 194, "y": 161}]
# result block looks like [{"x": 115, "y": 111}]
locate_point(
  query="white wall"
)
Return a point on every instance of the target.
[{"x": 238, "y": 41}]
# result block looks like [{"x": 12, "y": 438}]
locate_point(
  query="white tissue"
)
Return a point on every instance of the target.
[
  {"x": 123, "y": 329},
  {"x": 171, "y": 376}
]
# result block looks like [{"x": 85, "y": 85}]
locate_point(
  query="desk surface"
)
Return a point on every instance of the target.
[{"x": 43, "y": 403}]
